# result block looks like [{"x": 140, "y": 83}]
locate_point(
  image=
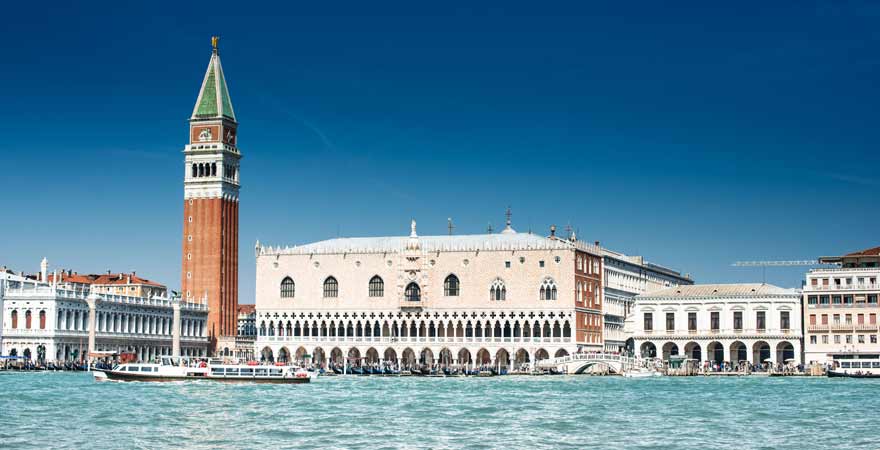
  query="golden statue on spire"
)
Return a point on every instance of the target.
[{"x": 215, "y": 40}]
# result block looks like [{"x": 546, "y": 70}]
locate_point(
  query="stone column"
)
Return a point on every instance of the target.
[
  {"x": 175, "y": 327},
  {"x": 92, "y": 301}
]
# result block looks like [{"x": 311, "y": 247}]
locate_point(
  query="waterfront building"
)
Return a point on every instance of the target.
[
  {"x": 246, "y": 336},
  {"x": 60, "y": 321},
  {"x": 841, "y": 306},
  {"x": 210, "y": 210},
  {"x": 731, "y": 323},
  {"x": 624, "y": 278},
  {"x": 128, "y": 284},
  {"x": 501, "y": 299}
]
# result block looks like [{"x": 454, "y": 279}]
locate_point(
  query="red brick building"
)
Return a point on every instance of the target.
[{"x": 210, "y": 209}]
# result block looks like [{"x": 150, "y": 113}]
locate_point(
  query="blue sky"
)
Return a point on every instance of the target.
[{"x": 694, "y": 135}]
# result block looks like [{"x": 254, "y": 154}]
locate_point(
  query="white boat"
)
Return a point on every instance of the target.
[
  {"x": 855, "y": 365},
  {"x": 178, "y": 369},
  {"x": 641, "y": 373}
]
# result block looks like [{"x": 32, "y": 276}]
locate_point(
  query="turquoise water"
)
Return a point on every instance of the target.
[{"x": 69, "y": 410}]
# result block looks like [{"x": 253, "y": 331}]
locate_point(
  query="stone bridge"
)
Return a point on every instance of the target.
[{"x": 580, "y": 362}]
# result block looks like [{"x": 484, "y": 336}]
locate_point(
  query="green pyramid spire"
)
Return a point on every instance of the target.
[{"x": 213, "y": 101}]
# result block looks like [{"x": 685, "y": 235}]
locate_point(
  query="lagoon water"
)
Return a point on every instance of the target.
[{"x": 69, "y": 410}]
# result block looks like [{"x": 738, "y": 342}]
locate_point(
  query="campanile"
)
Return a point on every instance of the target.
[{"x": 210, "y": 207}]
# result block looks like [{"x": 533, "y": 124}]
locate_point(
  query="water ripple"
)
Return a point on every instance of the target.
[{"x": 68, "y": 410}]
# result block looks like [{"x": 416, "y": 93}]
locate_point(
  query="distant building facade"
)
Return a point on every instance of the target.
[
  {"x": 841, "y": 306},
  {"x": 720, "y": 323},
  {"x": 49, "y": 321},
  {"x": 246, "y": 336},
  {"x": 624, "y": 278},
  {"x": 501, "y": 299}
]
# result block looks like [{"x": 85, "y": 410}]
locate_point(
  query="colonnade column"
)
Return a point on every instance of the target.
[
  {"x": 175, "y": 327},
  {"x": 92, "y": 300}
]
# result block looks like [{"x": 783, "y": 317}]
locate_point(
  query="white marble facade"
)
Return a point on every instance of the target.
[
  {"x": 720, "y": 322},
  {"x": 505, "y": 298}
]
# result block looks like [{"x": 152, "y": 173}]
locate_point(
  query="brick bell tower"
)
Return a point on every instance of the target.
[{"x": 210, "y": 207}]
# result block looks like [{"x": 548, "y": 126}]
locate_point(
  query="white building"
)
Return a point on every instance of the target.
[
  {"x": 720, "y": 323},
  {"x": 50, "y": 322},
  {"x": 841, "y": 307},
  {"x": 502, "y": 299},
  {"x": 624, "y": 278}
]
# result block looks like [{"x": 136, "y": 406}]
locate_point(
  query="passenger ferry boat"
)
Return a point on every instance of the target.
[
  {"x": 179, "y": 369},
  {"x": 855, "y": 365}
]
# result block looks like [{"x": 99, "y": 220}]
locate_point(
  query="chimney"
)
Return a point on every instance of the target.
[
  {"x": 44, "y": 270},
  {"x": 552, "y": 230}
]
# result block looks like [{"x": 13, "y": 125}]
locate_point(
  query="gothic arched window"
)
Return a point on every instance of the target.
[
  {"x": 413, "y": 293},
  {"x": 14, "y": 319},
  {"x": 331, "y": 288},
  {"x": 548, "y": 289},
  {"x": 201, "y": 170},
  {"x": 377, "y": 287},
  {"x": 288, "y": 288},
  {"x": 213, "y": 169},
  {"x": 195, "y": 170},
  {"x": 451, "y": 286},
  {"x": 498, "y": 291}
]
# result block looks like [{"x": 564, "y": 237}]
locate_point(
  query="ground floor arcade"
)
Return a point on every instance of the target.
[
  {"x": 734, "y": 351},
  {"x": 409, "y": 356}
]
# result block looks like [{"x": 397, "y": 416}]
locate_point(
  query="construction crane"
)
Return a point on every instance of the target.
[{"x": 765, "y": 264}]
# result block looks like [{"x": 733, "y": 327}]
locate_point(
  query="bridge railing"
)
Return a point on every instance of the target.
[{"x": 625, "y": 361}]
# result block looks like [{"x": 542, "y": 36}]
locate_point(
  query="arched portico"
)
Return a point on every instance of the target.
[
  {"x": 541, "y": 354},
  {"x": 693, "y": 351},
  {"x": 283, "y": 355},
  {"x": 785, "y": 352},
  {"x": 372, "y": 356},
  {"x": 738, "y": 353},
  {"x": 761, "y": 352},
  {"x": 669, "y": 349},
  {"x": 446, "y": 358},
  {"x": 560, "y": 353},
  {"x": 715, "y": 352},
  {"x": 390, "y": 355},
  {"x": 336, "y": 357},
  {"x": 502, "y": 359},
  {"x": 464, "y": 357},
  {"x": 426, "y": 357},
  {"x": 648, "y": 350},
  {"x": 266, "y": 355}
]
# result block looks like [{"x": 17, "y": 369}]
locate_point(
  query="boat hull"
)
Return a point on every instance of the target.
[
  {"x": 122, "y": 376},
  {"x": 833, "y": 374}
]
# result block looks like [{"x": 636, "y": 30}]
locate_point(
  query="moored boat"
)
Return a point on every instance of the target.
[
  {"x": 177, "y": 369},
  {"x": 855, "y": 365}
]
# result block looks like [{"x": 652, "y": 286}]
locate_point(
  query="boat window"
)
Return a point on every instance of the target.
[
  {"x": 261, "y": 372},
  {"x": 216, "y": 371},
  {"x": 275, "y": 372},
  {"x": 231, "y": 371},
  {"x": 146, "y": 369},
  {"x": 132, "y": 369},
  {"x": 875, "y": 364},
  {"x": 845, "y": 365},
  {"x": 247, "y": 372}
]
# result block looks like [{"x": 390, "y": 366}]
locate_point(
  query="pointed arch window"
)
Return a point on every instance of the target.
[
  {"x": 451, "y": 286},
  {"x": 331, "y": 288},
  {"x": 288, "y": 288},
  {"x": 413, "y": 293},
  {"x": 14, "y": 319},
  {"x": 498, "y": 291},
  {"x": 548, "y": 289},
  {"x": 377, "y": 287}
]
